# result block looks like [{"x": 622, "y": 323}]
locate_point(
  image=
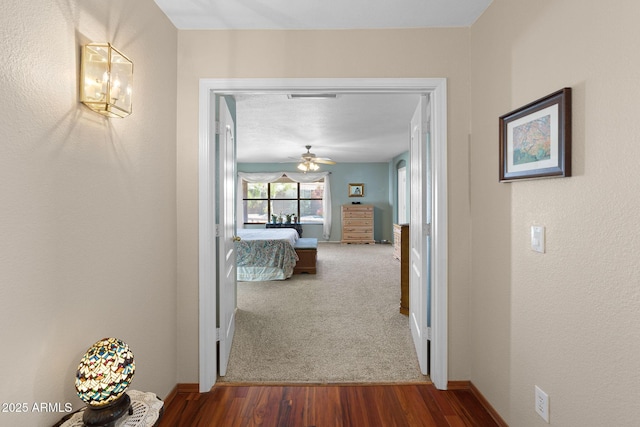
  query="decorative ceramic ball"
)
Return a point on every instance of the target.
[{"x": 105, "y": 372}]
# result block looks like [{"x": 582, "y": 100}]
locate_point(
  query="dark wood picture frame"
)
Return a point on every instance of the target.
[
  {"x": 356, "y": 190},
  {"x": 535, "y": 140}
]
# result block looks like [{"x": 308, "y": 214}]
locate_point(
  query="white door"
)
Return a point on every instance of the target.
[
  {"x": 227, "y": 230},
  {"x": 419, "y": 226}
]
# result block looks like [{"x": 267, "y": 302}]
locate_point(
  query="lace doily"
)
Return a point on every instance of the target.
[{"x": 146, "y": 412}]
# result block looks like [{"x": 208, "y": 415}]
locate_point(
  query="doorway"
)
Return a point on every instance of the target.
[{"x": 435, "y": 88}]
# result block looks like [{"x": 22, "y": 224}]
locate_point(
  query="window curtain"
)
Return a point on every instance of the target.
[{"x": 294, "y": 176}]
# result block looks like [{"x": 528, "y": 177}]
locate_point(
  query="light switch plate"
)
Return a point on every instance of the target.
[{"x": 537, "y": 238}]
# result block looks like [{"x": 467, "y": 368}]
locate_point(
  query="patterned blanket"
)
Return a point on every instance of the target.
[{"x": 260, "y": 260}]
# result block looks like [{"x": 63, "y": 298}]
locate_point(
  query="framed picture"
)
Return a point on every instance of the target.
[
  {"x": 356, "y": 190},
  {"x": 535, "y": 140}
]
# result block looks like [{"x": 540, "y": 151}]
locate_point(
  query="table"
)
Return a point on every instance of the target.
[
  {"x": 147, "y": 410},
  {"x": 296, "y": 225}
]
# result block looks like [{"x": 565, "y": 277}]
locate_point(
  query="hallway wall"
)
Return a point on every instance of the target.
[
  {"x": 88, "y": 217},
  {"x": 327, "y": 54},
  {"x": 566, "y": 320}
]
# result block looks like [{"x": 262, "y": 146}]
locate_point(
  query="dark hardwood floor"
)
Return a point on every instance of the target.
[{"x": 328, "y": 406}]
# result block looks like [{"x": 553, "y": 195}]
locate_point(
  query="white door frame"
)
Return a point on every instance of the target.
[{"x": 435, "y": 87}]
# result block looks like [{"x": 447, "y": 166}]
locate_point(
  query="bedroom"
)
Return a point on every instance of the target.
[
  {"x": 370, "y": 120},
  {"x": 367, "y": 135}
]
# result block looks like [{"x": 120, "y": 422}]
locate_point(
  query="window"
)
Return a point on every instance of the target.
[{"x": 283, "y": 197}]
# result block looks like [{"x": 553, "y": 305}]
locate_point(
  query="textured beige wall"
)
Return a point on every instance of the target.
[
  {"x": 88, "y": 218},
  {"x": 292, "y": 54},
  {"x": 566, "y": 320}
]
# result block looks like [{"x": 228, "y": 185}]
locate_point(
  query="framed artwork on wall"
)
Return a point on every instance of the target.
[
  {"x": 535, "y": 140},
  {"x": 356, "y": 190}
]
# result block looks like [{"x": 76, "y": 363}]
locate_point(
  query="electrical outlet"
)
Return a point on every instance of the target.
[{"x": 542, "y": 404}]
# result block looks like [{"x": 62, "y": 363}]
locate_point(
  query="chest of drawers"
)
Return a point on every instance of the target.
[{"x": 357, "y": 224}]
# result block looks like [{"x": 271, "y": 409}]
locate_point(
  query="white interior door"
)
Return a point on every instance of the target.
[
  {"x": 226, "y": 233},
  {"x": 419, "y": 227}
]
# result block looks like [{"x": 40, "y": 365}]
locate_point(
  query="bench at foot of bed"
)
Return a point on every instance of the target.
[{"x": 307, "y": 250}]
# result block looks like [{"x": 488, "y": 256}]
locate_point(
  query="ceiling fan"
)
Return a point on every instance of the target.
[{"x": 309, "y": 161}]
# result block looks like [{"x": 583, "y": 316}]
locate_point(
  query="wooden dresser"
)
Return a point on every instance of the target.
[
  {"x": 357, "y": 224},
  {"x": 401, "y": 252}
]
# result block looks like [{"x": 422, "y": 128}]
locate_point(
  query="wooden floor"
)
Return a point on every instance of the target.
[{"x": 327, "y": 406}]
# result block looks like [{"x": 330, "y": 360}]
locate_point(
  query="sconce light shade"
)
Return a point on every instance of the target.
[
  {"x": 103, "y": 376},
  {"x": 106, "y": 80}
]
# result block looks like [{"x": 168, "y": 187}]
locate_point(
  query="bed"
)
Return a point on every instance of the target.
[{"x": 266, "y": 254}]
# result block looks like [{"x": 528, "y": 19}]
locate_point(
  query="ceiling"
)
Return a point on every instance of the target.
[
  {"x": 350, "y": 128},
  {"x": 321, "y": 14}
]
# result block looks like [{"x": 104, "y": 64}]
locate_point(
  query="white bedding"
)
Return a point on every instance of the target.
[{"x": 289, "y": 234}]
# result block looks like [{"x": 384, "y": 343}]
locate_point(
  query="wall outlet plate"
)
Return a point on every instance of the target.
[{"x": 542, "y": 404}]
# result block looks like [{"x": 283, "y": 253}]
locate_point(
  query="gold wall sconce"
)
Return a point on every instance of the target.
[{"x": 106, "y": 80}]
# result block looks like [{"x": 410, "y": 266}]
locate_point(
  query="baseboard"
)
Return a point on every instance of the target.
[
  {"x": 181, "y": 388},
  {"x": 169, "y": 397},
  {"x": 459, "y": 385},
  {"x": 468, "y": 385},
  {"x": 188, "y": 388}
]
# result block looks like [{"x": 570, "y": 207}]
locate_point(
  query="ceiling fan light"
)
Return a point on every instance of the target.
[{"x": 309, "y": 161}]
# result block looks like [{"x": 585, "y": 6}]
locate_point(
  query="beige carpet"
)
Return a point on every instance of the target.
[{"x": 340, "y": 325}]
